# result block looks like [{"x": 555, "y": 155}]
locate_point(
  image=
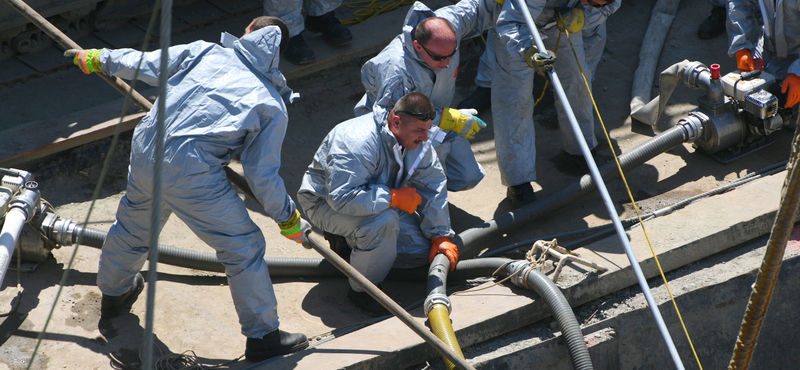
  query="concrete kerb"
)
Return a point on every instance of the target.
[{"x": 699, "y": 230}]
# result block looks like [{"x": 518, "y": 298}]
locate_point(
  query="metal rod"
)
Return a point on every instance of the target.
[
  {"x": 67, "y": 43},
  {"x": 9, "y": 237},
  {"x": 318, "y": 243},
  {"x": 601, "y": 187}
]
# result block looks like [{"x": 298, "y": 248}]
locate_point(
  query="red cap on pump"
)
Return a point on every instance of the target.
[{"x": 715, "y": 71}]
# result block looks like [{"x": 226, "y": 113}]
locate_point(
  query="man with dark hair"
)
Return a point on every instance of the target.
[
  {"x": 424, "y": 58},
  {"x": 380, "y": 187},
  {"x": 320, "y": 18},
  {"x": 219, "y": 100}
]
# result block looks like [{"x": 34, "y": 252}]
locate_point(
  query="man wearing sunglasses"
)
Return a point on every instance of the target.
[
  {"x": 376, "y": 185},
  {"x": 424, "y": 58},
  {"x": 512, "y": 83}
]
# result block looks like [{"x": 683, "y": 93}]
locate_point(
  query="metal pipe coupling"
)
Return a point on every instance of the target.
[{"x": 435, "y": 298}]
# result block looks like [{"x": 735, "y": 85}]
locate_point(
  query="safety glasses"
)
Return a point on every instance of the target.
[
  {"x": 438, "y": 58},
  {"x": 427, "y": 116}
]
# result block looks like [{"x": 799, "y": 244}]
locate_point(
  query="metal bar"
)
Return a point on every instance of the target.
[
  {"x": 67, "y": 43},
  {"x": 319, "y": 244},
  {"x": 601, "y": 187}
]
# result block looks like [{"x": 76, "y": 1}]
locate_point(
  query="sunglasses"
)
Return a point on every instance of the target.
[
  {"x": 437, "y": 58},
  {"x": 427, "y": 116}
]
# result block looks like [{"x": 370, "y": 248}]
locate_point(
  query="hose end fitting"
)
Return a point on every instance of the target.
[
  {"x": 27, "y": 200},
  {"x": 437, "y": 298},
  {"x": 692, "y": 125}
]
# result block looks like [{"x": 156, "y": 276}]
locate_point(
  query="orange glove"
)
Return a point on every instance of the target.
[
  {"x": 443, "y": 244},
  {"x": 406, "y": 199},
  {"x": 744, "y": 60},
  {"x": 791, "y": 83}
]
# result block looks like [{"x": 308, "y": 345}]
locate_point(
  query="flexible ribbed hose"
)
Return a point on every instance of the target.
[
  {"x": 443, "y": 329},
  {"x": 469, "y": 239},
  {"x": 771, "y": 265}
]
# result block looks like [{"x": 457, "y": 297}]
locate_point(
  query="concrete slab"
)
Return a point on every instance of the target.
[{"x": 700, "y": 230}]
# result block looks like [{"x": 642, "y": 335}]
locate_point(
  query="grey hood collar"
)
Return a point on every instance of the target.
[{"x": 262, "y": 50}]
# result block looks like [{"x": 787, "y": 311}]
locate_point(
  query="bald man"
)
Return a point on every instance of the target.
[{"x": 424, "y": 58}]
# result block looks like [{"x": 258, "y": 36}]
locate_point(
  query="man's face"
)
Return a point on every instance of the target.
[
  {"x": 411, "y": 134},
  {"x": 597, "y": 3},
  {"x": 437, "y": 53}
]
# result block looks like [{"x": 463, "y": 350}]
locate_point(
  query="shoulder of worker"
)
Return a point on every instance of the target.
[{"x": 359, "y": 136}]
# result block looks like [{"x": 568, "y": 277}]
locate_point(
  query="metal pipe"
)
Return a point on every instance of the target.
[
  {"x": 767, "y": 275},
  {"x": 603, "y": 191},
  {"x": 12, "y": 227},
  {"x": 319, "y": 244},
  {"x": 67, "y": 43}
]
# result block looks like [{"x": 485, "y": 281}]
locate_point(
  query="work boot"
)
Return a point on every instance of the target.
[
  {"x": 520, "y": 195},
  {"x": 331, "y": 29},
  {"x": 113, "y": 306},
  {"x": 298, "y": 52},
  {"x": 338, "y": 244},
  {"x": 275, "y": 343},
  {"x": 578, "y": 161},
  {"x": 480, "y": 99},
  {"x": 366, "y": 303},
  {"x": 714, "y": 25}
]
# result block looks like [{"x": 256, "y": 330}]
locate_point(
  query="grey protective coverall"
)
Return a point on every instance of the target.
[
  {"x": 781, "y": 33},
  {"x": 512, "y": 81},
  {"x": 345, "y": 191},
  {"x": 219, "y": 100},
  {"x": 290, "y": 11},
  {"x": 399, "y": 69}
]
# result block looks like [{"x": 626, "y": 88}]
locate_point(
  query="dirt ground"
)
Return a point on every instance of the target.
[{"x": 193, "y": 309}]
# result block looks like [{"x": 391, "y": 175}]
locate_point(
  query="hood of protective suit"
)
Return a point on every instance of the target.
[{"x": 261, "y": 49}]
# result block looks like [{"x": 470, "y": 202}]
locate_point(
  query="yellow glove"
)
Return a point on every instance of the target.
[
  {"x": 87, "y": 60},
  {"x": 463, "y": 121},
  {"x": 541, "y": 62},
  {"x": 295, "y": 228},
  {"x": 570, "y": 20}
]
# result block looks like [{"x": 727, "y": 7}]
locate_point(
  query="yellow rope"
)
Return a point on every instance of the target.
[
  {"x": 366, "y": 9},
  {"x": 635, "y": 207}
]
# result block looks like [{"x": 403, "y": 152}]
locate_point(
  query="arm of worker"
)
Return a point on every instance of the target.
[
  {"x": 594, "y": 17},
  {"x": 470, "y": 17},
  {"x": 348, "y": 175},
  {"x": 123, "y": 63},
  {"x": 744, "y": 28},
  {"x": 385, "y": 84},
  {"x": 431, "y": 184},
  {"x": 261, "y": 161},
  {"x": 513, "y": 30}
]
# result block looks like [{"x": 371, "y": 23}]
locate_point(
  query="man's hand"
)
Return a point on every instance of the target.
[
  {"x": 294, "y": 228},
  {"x": 541, "y": 62},
  {"x": 406, "y": 199},
  {"x": 792, "y": 84},
  {"x": 463, "y": 121},
  {"x": 745, "y": 61},
  {"x": 443, "y": 244},
  {"x": 570, "y": 20},
  {"x": 87, "y": 60}
]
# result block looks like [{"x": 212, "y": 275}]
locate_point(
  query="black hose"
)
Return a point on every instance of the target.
[
  {"x": 468, "y": 240},
  {"x": 534, "y": 280}
]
